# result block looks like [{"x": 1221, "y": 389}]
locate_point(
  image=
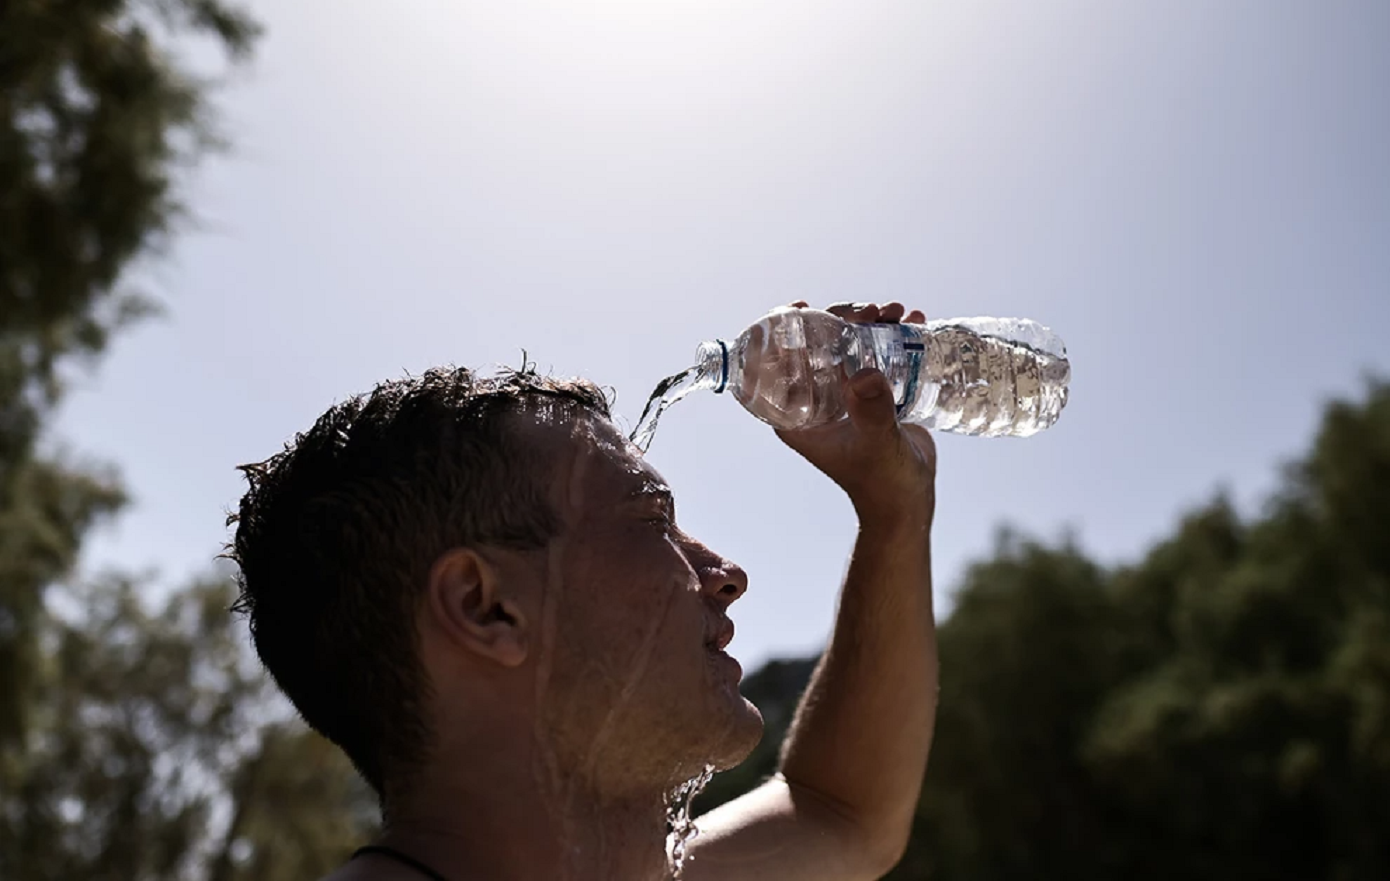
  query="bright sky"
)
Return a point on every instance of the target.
[{"x": 1195, "y": 195}]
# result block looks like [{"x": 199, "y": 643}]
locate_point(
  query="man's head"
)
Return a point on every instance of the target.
[{"x": 453, "y": 550}]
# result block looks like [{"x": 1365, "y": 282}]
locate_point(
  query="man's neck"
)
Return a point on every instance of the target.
[{"x": 492, "y": 826}]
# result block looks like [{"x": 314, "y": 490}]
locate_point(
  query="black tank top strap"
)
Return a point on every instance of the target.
[{"x": 406, "y": 859}]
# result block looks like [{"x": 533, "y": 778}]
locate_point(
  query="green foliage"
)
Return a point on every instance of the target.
[
  {"x": 164, "y": 753},
  {"x": 1219, "y": 710},
  {"x": 1030, "y": 651},
  {"x": 1260, "y": 747},
  {"x": 134, "y": 744},
  {"x": 96, "y": 119},
  {"x": 45, "y": 509}
]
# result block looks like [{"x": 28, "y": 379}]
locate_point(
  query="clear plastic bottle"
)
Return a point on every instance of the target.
[{"x": 991, "y": 377}]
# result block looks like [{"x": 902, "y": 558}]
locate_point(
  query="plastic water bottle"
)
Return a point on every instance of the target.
[{"x": 991, "y": 377}]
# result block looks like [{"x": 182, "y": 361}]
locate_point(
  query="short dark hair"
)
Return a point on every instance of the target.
[{"x": 336, "y": 535}]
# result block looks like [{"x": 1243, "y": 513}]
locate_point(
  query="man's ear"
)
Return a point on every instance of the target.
[{"x": 466, "y": 602}]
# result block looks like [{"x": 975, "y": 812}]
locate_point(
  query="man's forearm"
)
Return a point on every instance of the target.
[{"x": 863, "y": 729}]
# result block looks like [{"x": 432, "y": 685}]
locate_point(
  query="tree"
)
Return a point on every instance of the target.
[
  {"x": 166, "y": 753},
  {"x": 96, "y": 119},
  {"x": 1261, "y": 745},
  {"x": 134, "y": 744}
]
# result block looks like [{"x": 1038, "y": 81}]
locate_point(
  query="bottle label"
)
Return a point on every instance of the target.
[{"x": 914, "y": 349}]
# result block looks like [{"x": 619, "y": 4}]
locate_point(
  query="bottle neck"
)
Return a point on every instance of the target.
[{"x": 712, "y": 359}]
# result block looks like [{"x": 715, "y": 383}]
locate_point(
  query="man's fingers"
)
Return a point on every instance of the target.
[
  {"x": 869, "y": 383},
  {"x": 800, "y": 304},
  {"x": 865, "y": 313},
  {"x": 891, "y": 313},
  {"x": 856, "y": 313},
  {"x": 869, "y": 400}
]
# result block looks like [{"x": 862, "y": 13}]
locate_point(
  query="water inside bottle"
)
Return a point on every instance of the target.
[
  {"x": 683, "y": 830},
  {"x": 991, "y": 377},
  {"x": 668, "y": 391}
]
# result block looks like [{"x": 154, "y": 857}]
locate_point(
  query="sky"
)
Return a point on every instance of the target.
[{"x": 1194, "y": 195}]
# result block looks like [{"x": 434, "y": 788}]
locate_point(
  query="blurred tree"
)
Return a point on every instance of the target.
[
  {"x": 1220, "y": 710},
  {"x": 166, "y": 753},
  {"x": 1030, "y": 651},
  {"x": 96, "y": 119},
  {"x": 1260, "y": 746},
  {"x": 133, "y": 744}
]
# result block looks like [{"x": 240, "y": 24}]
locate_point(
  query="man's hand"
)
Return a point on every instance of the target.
[{"x": 887, "y": 469}]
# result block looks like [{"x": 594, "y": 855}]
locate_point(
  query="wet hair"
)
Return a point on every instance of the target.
[{"x": 336, "y": 535}]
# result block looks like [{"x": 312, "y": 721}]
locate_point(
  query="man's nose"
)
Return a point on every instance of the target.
[{"x": 722, "y": 579}]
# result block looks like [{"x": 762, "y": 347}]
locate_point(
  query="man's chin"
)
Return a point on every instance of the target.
[{"x": 741, "y": 737}]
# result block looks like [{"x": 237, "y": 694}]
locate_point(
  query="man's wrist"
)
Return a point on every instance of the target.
[{"x": 905, "y": 518}]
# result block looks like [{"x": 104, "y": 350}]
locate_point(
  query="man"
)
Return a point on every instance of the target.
[{"x": 478, "y": 589}]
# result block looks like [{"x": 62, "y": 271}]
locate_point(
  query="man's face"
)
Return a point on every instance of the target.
[{"x": 633, "y": 685}]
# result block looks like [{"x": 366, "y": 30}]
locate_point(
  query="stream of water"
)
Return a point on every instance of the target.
[
  {"x": 683, "y": 829},
  {"x": 668, "y": 391}
]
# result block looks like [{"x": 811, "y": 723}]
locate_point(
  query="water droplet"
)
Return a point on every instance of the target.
[{"x": 683, "y": 829}]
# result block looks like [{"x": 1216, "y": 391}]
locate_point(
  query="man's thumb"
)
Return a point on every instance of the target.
[{"x": 870, "y": 399}]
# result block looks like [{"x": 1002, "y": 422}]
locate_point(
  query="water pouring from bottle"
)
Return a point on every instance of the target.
[
  {"x": 990, "y": 377},
  {"x": 670, "y": 390}
]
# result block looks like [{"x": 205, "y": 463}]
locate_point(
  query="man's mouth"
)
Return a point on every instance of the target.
[{"x": 723, "y": 635}]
